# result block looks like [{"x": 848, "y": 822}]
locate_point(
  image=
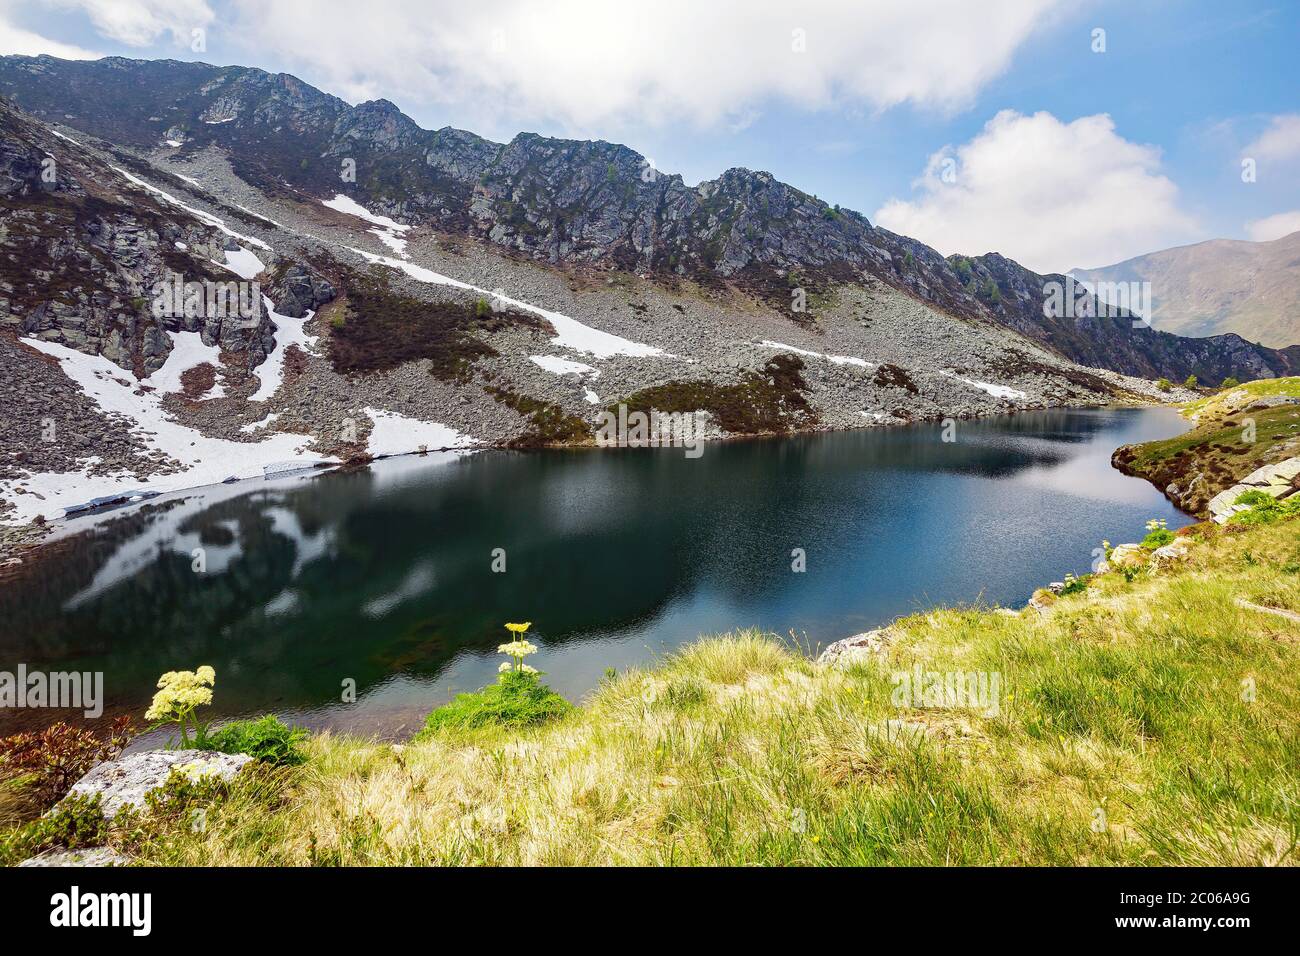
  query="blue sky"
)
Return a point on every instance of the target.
[{"x": 1059, "y": 155}]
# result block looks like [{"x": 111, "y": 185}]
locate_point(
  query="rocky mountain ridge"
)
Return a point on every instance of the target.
[{"x": 582, "y": 203}]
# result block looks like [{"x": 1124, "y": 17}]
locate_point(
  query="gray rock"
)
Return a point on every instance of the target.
[
  {"x": 1280, "y": 480},
  {"x": 99, "y": 856},
  {"x": 860, "y": 648},
  {"x": 125, "y": 781}
]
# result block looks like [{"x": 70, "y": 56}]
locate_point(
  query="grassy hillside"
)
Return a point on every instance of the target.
[
  {"x": 1148, "y": 718},
  {"x": 1221, "y": 447}
]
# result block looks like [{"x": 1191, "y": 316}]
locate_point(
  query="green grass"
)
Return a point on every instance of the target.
[{"x": 1151, "y": 721}]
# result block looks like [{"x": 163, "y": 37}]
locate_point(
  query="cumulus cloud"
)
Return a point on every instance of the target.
[
  {"x": 1281, "y": 141},
  {"x": 590, "y": 63},
  {"x": 141, "y": 22},
  {"x": 1051, "y": 195},
  {"x": 1274, "y": 227}
]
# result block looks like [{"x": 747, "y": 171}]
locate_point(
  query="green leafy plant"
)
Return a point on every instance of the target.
[
  {"x": 51, "y": 761},
  {"x": 78, "y": 822},
  {"x": 1190, "y": 382},
  {"x": 1229, "y": 382},
  {"x": 1263, "y": 508},
  {"x": 1075, "y": 585},
  {"x": 1164, "y": 384},
  {"x": 266, "y": 739}
]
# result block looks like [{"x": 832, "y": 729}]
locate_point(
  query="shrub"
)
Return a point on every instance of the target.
[
  {"x": 1158, "y": 535},
  {"x": 266, "y": 739},
  {"x": 76, "y": 823},
  {"x": 1264, "y": 509},
  {"x": 54, "y": 759},
  {"x": 1164, "y": 384},
  {"x": 517, "y": 699},
  {"x": 1229, "y": 382},
  {"x": 1190, "y": 382},
  {"x": 1158, "y": 539}
]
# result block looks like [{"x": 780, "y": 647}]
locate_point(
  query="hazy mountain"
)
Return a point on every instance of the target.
[{"x": 1220, "y": 286}]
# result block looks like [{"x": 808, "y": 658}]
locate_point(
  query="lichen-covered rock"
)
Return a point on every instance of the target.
[
  {"x": 1042, "y": 599},
  {"x": 99, "y": 856},
  {"x": 860, "y": 648},
  {"x": 124, "y": 782},
  {"x": 1171, "y": 553},
  {"x": 1127, "y": 556}
]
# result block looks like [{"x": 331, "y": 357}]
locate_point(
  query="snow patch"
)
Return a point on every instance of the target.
[
  {"x": 395, "y": 434},
  {"x": 836, "y": 359},
  {"x": 187, "y": 351},
  {"x": 388, "y": 231},
  {"x": 266, "y": 422},
  {"x": 345, "y": 204},
  {"x": 243, "y": 263},
  {"x": 288, "y": 332},
  {"x": 199, "y": 214},
  {"x": 570, "y": 333},
  {"x": 205, "y": 460},
  {"x": 997, "y": 391},
  {"x": 562, "y": 366}
]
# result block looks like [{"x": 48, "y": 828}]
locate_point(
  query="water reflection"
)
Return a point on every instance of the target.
[{"x": 383, "y": 576}]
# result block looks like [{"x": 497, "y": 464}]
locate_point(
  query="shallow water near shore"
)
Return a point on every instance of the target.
[{"x": 384, "y": 576}]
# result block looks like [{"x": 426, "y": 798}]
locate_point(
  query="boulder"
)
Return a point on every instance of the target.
[
  {"x": 1127, "y": 556},
  {"x": 124, "y": 782},
  {"x": 99, "y": 856},
  {"x": 860, "y": 648},
  {"x": 1171, "y": 553}
]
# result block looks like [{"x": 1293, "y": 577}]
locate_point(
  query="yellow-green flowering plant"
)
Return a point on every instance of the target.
[
  {"x": 517, "y": 650},
  {"x": 180, "y": 693},
  {"x": 1158, "y": 534}
]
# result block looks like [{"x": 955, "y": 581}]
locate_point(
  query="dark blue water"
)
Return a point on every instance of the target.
[{"x": 384, "y": 576}]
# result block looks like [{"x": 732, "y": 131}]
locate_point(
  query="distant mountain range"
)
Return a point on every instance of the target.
[{"x": 1218, "y": 287}]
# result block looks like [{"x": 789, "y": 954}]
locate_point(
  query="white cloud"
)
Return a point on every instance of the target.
[
  {"x": 141, "y": 22},
  {"x": 1051, "y": 195},
  {"x": 1281, "y": 141},
  {"x": 14, "y": 39},
  {"x": 593, "y": 63},
  {"x": 1274, "y": 227}
]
